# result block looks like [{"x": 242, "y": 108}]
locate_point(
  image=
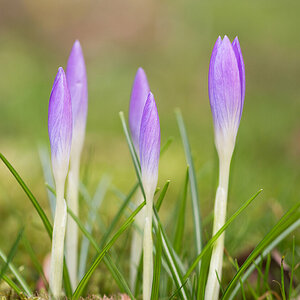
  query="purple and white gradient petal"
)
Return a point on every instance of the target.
[
  {"x": 60, "y": 125},
  {"x": 138, "y": 98},
  {"x": 149, "y": 144},
  {"x": 77, "y": 83},
  {"x": 226, "y": 86}
]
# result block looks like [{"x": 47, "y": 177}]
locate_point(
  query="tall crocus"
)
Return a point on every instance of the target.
[
  {"x": 226, "y": 86},
  {"x": 77, "y": 83},
  {"x": 139, "y": 94},
  {"x": 60, "y": 136},
  {"x": 149, "y": 148}
]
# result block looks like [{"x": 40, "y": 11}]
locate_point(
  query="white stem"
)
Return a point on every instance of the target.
[
  {"x": 72, "y": 229},
  {"x": 147, "y": 260},
  {"x": 213, "y": 286},
  {"x": 137, "y": 241},
  {"x": 148, "y": 249},
  {"x": 57, "y": 253}
]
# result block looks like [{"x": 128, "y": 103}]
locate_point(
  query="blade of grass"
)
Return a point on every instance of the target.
[
  {"x": 101, "y": 255},
  {"x": 134, "y": 157},
  {"x": 288, "y": 222},
  {"x": 16, "y": 273},
  {"x": 42, "y": 215},
  {"x": 117, "y": 217},
  {"x": 157, "y": 266},
  {"x": 178, "y": 237},
  {"x": 216, "y": 236},
  {"x": 162, "y": 195},
  {"x": 292, "y": 269},
  {"x": 166, "y": 145},
  {"x": 92, "y": 215},
  {"x": 193, "y": 182},
  {"x": 34, "y": 259},
  {"x": 170, "y": 258},
  {"x": 282, "y": 279},
  {"x": 13, "y": 286},
  {"x": 12, "y": 253},
  {"x": 120, "y": 280}
]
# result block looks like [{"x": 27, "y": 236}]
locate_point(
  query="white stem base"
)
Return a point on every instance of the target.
[
  {"x": 72, "y": 228},
  {"x": 57, "y": 253},
  {"x": 147, "y": 260}
]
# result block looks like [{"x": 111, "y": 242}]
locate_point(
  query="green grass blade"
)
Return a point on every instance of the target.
[
  {"x": 42, "y": 215},
  {"x": 134, "y": 156},
  {"x": 170, "y": 258},
  {"x": 29, "y": 194},
  {"x": 92, "y": 215},
  {"x": 120, "y": 279},
  {"x": 166, "y": 145},
  {"x": 16, "y": 273},
  {"x": 162, "y": 196},
  {"x": 193, "y": 182},
  {"x": 101, "y": 255},
  {"x": 157, "y": 266},
  {"x": 288, "y": 222},
  {"x": 12, "y": 253},
  {"x": 34, "y": 259},
  {"x": 178, "y": 238},
  {"x": 117, "y": 217},
  {"x": 13, "y": 286},
  {"x": 282, "y": 279},
  {"x": 216, "y": 236},
  {"x": 292, "y": 269}
]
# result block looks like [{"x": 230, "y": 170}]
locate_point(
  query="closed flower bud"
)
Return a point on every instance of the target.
[
  {"x": 77, "y": 83},
  {"x": 138, "y": 98},
  {"x": 60, "y": 126},
  {"x": 226, "y": 86},
  {"x": 149, "y": 145}
]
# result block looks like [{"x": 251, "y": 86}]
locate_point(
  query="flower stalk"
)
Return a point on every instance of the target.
[
  {"x": 77, "y": 83},
  {"x": 226, "y": 85},
  {"x": 60, "y": 136},
  {"x": 138, "y": 98},
  {"x": 149, "y": 149}
]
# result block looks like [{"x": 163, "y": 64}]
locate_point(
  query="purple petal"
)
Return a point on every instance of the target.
[
  {"x": 77, "y": 83},
  {"x": 240, "y": 61},
  {"x": 225, "y": 87},
  {"x": 138, "y": 98},
  {"x": 150, "y": 143},
  {"x": 60, "y": 124}
]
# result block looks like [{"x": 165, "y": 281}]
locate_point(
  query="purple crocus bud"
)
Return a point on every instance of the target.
[
  {"x": 77, "y": 83},
  {"x": 226, "y": 87},
  {"x": 60, "y": 126},
  {"x": 138, "y": 98},
  {"x": 149, "y": 145}
]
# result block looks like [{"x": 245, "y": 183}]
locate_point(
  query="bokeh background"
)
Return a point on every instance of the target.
[{"x": 172, "y": 40}]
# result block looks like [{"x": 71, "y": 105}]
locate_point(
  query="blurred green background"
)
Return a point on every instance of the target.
[{"x": 172, "y": 40}]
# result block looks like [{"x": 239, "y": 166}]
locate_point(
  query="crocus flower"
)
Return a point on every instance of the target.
[
  {"x": 226, "y": 87},
  {"x": 60, "y": 126},
  {"x": 77, "y": 83},
  {"x": 149, "y": 142},
  {"x": 138, "y": 98},
  {"x": 60, "y": 135},
  {"x": 149, "y": 145}
]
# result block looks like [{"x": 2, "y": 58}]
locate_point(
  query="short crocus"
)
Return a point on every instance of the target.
[
  {"x": 138, "y": 98},
  {"x": 226, "y": 86},
  {"x": 60, "y": 135},
  {"x": 77, "y": 83},
  {"x": 149, "y": 148}
]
